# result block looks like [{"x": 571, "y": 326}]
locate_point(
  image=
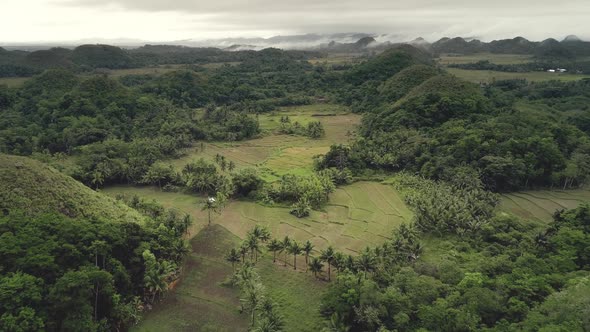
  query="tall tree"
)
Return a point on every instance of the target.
[
  {"x": 233, "y": 257},
  {"x": 307, "y": 248},
  {"x": 328, "y": 257},
  {"x": 315, "y": 266},
  {"x": 274, "y": 245},
  {"x": 295, "y": 249},
  {"x": 286, "y": 243}
]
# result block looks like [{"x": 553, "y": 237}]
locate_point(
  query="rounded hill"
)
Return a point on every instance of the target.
[{"x": 31, "y": 187}]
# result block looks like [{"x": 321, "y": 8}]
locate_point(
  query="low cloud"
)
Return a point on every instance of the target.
[{"x": 158, "y": 20}]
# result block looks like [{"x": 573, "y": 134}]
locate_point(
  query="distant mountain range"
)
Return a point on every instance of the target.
[{"x": 338, "y": 41}]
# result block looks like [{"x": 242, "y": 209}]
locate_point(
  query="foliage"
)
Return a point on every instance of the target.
[
  {"x": 505, "y": 276},
  {"x": 55, "y": 277}
]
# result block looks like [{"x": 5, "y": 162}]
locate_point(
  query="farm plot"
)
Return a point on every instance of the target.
[{"x": 541, "y": 204}]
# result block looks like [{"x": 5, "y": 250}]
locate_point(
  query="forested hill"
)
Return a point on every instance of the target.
[
  {"x": 86, "y": 58},
  {"x": 512, "y": 134},
  {"x": 29, "y": 186},
  {"x": 73, "y": 259},
  {"x": 569, "y": 47}
]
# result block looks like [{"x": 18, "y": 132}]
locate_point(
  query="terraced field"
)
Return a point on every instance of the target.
[
  {"x": 541, "y": 204},
  {"x": 358, "y": 215},
  {"x": 277, "y": 154},
  {"x": 488, "y": 76}
]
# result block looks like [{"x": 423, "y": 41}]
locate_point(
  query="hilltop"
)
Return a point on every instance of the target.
[{"x": 35, "y": 188}]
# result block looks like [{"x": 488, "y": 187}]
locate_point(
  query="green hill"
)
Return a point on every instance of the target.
[
  {"x": 388, "y": 64},
  {"x": 401, "y": 83},
  {"x": 35, "y": 188},
  {"x": 102, "y": 56}
]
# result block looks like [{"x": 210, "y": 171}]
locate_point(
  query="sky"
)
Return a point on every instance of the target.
[{"x": 23, "y": 21}]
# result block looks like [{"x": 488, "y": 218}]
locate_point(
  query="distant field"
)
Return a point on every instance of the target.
[
  {"x": 333, "y": 59},
  {"x": 487, "y": 76},
  {"x": 13, "y": 82},
  {"x": 501, "y": 59},
  {"x": 541, "y": 204},
  {"x": 277, "y": 154},
  {"x": 160, "y": 70},
  {"x": 359, "y": 215}
]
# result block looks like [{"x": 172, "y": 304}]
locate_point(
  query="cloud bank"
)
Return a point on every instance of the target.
[{"x": 173, "y": 20}]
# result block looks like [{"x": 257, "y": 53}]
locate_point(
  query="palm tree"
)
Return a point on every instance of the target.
[
  {"x": 244, "y": 250},
  {"x": 233, "y": 257},
  {"x": 286, "y": 245},
  {"x": 187, "y": 221},
  {"x": 307, "y": 248},
  {"x": 328, "y": 257},
  {"x": 231, "y": 166},
  {"x": 315, "y": 266},
  {"x": 154, "y": 282},
  {"x": 252, "y": 298},
  {"x": 209, "y": 206},
  {"x": 366, "y": 261},
  {"x": 295, "y": 249},
  {"x": 271, "y": 320},
  {"x": 254, "y": 247},
  {"x": 274, "y": 246},
  {"x": 336, "y": 324},
  {"x": 97, "y": 179},
  {"x": 260, "y": 233},
  {"x": 415, "y": 250}
]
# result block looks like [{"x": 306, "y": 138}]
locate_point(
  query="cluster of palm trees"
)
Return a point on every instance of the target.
[
  {"x": 259, "y": 236},
  {"x": 158, "y": 275},
  {"x": 224, "y": 164},
  {"x": 255, "y": 301}
]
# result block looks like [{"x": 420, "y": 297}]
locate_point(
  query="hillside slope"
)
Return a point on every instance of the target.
[{"x": 35, "y": 188}]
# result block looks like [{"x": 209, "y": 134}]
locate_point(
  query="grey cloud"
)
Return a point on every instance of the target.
[{"x": 535, "y": 19}]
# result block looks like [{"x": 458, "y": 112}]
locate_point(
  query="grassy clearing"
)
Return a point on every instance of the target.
[
  {"x": 337, "y": 59},
  {"x": 298, "y": 294},
  {"x": 488, "y": 76},
  {"x": 501, "y": 59},
  {"x": 277, "y": 154},
  {"x": 199, "y": 302},
  {"x": 359, "y": 215},
  {"x": 541, "y": 204},
  {"x": 13, "y": 82}
]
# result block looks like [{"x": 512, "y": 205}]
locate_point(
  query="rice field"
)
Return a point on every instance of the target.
[
  {"x": 358, "y": 215},
  {"x": 277, "y": 154},
  {"x": 501, "y": 59},
  {"x": 541, "y": 204},
  {"x": 488, "y": 76}
]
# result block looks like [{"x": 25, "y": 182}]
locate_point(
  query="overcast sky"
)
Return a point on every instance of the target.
[{"x": 170, "y": 20}]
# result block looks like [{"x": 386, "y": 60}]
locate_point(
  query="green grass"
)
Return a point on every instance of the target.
[
  {"x": 13, "y": 82},
  {"x": 276, "y": 154},
  {"x": 31, "y": 186},
  {"x": 487, "y": 76},
  {"x": 541, "y": 204},
  {"x": 298, "y": 294},
  {"x": 501, "y": 59},
  {"x": 359, "y": 215},
  {"x": 200, "y": 302}
]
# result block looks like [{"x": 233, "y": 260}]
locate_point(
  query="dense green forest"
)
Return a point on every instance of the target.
[{"x": 72, "y": 259}]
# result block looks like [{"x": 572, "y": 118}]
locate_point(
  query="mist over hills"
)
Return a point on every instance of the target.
[
  {"x": 19, "y": 61},
  {"x": 313, "y": 41}
]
